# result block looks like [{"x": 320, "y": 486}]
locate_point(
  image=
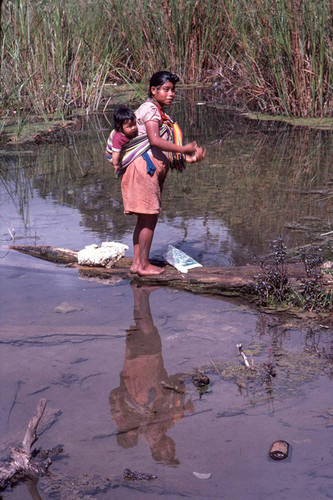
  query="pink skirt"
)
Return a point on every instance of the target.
[{"x": 142, "y": 192}]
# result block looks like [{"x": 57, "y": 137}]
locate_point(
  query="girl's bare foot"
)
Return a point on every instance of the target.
[
  {"x": 150, "y": 270},
  {"x": 135, "y": 266}
]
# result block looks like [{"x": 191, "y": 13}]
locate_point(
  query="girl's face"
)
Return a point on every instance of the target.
[{"x": 164, "y": 94}]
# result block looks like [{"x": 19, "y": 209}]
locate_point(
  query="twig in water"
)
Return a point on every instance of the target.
[
  {"x": 10, "y": 228},
  {"x": 246, "y": 361},
  {"x": 173, "y": 387},
  {"x": 215, "y": 367},
  {"x": 18, "y": 387}
]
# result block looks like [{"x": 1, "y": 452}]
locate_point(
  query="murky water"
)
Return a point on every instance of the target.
[{"x": 99, "y": 353}]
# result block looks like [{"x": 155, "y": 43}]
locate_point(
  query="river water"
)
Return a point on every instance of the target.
[{"x": 98, "y": 351}]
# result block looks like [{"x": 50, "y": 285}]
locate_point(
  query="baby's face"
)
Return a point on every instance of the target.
[{"x": 130, "y": 128}]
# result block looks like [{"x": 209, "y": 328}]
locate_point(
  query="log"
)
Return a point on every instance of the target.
[
  {"x": 53, "y": 254},
  {"x": 20, "y": 463},
  {"x": 226, "y": 281}
]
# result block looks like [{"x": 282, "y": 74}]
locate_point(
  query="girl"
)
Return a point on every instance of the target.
[{"x": 142, "y": 187}]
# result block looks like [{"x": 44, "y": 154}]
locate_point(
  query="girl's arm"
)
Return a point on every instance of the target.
[{"x": 155, "y": 139}]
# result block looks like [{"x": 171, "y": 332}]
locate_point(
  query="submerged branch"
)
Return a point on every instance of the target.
[
  {"x": 30, "y": 436},
  {"x": 21, "y": 464}
]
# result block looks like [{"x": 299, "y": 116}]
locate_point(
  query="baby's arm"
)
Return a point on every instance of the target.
[{"x": 115, "y": 160}]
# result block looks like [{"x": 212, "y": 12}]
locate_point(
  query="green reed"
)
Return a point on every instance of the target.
[
  {"x": 287, "y": 58},
  {"x": 267, "y": 55},
  {"x": 54, "y": 57}
]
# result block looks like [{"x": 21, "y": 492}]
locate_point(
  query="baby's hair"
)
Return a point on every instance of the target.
[
  {"x": 160, "y": 78},
  {"x": 122, "y": 115}
]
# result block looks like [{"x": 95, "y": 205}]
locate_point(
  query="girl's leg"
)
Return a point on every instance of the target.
[
  {"x": 136, "y": 256},
  {"x": 142, "y": 240}
]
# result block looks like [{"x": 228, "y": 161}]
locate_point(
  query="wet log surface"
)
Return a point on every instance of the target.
[
  {"x": 203, "y": 280},
  {"x": 53, "y": 254}
]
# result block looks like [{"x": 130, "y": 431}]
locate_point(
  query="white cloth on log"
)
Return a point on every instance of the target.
[{"x": 104, "y": 256}]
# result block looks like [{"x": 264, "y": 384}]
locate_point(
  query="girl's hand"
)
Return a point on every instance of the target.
[
  {"x": 199, "y": 155},
  {"x": 190, "y": 148}
]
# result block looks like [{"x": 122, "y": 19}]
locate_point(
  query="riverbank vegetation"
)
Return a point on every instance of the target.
[
  {"x": 273, "y": 284},
  {"x": 272, "y": 56}
]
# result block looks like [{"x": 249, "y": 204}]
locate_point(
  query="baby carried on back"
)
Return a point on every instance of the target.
[{"x": 140, "y": 145}]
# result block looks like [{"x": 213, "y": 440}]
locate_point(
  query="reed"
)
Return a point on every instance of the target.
[
  {"x": 54, "y": 57},
  {"x": 286, "y": 63},
  {"x": 267, "y": 55}
]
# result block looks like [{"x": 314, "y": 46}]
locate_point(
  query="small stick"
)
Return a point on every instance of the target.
[
  {"x": 246, "y": 361},
  {"x": 10, "y": 229},
  {"x": 215, "y": 367},
  {"x": 173, "y": 387}
]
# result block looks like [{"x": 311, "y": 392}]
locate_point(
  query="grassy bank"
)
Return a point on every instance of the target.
[{"x": 273, "y": 56}]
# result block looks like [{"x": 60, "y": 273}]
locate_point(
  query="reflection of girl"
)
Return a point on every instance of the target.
[
  {"x": 140, "y": 405},
  {"x": 141, "y": 184}
]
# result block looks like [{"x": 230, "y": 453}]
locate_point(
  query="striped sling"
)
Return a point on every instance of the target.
[{"x": 138, "y": 146}]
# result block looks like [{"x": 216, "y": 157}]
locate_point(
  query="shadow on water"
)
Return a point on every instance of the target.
[{"x": 69, "y": 339}]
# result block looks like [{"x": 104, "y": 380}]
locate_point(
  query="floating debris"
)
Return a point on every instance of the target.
[
  {"x": 269, "y": 368},
  {"x": 200, "y": 475},
  {"x": 328, "y": 416},
  {"x": 231, "y": 413},
  {"x": 199, "y": 379},
  {"x": 66, "y": 307},
  {"x": 246, "y": 361},
  {"x": 129, "y": 475},
  {"x": 173, "y": 387},
  {"x": 279, "y": 450}
]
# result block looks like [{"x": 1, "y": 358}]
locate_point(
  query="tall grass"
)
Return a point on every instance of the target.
[
  {"x": 54, "y": 57},
  {"x": 283, "y": 55},
  {"x": 274, "y": 56}
]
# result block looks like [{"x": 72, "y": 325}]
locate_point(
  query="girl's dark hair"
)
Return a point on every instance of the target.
[
  {"x": 122, "y": 115},
  {"x": 160, "y": 78}
]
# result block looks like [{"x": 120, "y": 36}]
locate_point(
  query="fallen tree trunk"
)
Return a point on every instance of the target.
[
  {"x": 53, "y": 254},
  {"x": 21, "y": 464},
  {"x": 225, "y": 281}
]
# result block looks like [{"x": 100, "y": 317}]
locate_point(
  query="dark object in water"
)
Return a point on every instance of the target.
[
  {"x": 173, "y": 387},
  {"x": 269, "y": 368},
  {"x": 279, "y": 450},
  {"x": 199, "y": 379},
  {"x": 137, "y": 476}
]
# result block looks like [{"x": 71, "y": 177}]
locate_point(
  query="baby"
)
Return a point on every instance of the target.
[{"x": 126, "y": 128}]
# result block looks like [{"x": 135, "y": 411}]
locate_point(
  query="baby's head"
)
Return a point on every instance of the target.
[{"x": 125, "y": 122}]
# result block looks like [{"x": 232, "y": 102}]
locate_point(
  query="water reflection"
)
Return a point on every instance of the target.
[{"x": 140, "y": 406}]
